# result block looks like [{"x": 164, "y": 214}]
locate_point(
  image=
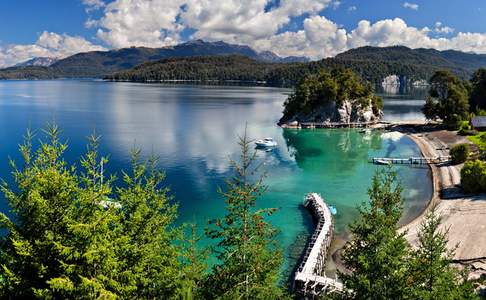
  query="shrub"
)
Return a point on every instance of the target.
[
  {"x": 464, "y": 127},
  {"x": 473, "y": 176},
  {"x": 460, "y": 153}
]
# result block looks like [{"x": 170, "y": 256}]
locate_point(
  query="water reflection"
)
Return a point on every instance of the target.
[
  {"x": 343, "y": 149},
  {"x": 193, "y": 129}
]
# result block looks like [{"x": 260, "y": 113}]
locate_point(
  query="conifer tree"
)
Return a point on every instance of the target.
[
  {"x": 249, "y": 261},
  {"x": 78, "y": 235},
  {"x": 376, "y": 253},
  {"x": 431, "y": 274}
]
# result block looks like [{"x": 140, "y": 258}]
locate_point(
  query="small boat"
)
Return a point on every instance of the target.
[
  {"x": 333, "y": 210},
  {"x": 382, "y": 162},
  {"x": 266, "y": 143}
]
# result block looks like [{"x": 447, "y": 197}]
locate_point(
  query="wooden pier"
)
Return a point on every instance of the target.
[
  {"x": 309, "y": 280},
  {"x": 313, "y": 125},
  {"x": 410, "y": 160}
]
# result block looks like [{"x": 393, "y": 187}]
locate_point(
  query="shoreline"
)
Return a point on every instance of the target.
[
  {"x": 434, "y": 174},
  {"x": 334, "y": 262},
  {"x": 463, "y": 217}
]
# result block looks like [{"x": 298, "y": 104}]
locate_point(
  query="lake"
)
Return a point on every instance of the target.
[{"x": 193, "y": 129}]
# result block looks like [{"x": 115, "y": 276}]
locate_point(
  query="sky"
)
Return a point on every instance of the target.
[{"x": 312, "y": 28}]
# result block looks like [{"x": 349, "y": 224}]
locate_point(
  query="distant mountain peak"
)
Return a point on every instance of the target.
[{"x": 38, "y": 62}]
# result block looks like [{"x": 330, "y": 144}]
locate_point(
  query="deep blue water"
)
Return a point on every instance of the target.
[{"x": 193, "y": 129}]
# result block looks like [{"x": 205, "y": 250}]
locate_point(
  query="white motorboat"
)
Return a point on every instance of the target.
[{"x": 266, "y": 143}]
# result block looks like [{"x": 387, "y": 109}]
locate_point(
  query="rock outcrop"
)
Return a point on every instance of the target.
[{"x": 350, "y": 111}]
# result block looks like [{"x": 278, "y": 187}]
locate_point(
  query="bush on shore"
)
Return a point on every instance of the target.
[
  {"x": 460, "y": 153},
  {"x": 473, "y": 176}
]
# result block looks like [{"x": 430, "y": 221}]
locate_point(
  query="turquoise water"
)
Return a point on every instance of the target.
[{"x": 193, "y": 129}]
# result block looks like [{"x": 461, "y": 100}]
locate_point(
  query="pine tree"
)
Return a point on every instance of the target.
[
  {"x": 431, "y": 274},
  {"x": 76, "y": 235},
  {"x": 376, "y": 253},
  {"x": 249, "y": 261}
]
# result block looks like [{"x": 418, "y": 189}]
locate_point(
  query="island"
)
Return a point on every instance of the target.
[{"x": 338, "y": 98}]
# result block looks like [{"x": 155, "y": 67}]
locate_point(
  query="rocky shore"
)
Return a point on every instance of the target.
[{"x": 351, "y": 113}]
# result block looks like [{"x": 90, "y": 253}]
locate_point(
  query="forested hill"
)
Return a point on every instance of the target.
[
  {"x": 100, "y": 63},
  {"x": 372, "y": 63},
  {"x": 198, "y": 60},
  {"x": 460, "y": 63},
  {"x": 207, "y": 68}
]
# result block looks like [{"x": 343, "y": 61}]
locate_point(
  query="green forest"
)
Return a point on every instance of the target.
[{"x": 339, "y": 85}]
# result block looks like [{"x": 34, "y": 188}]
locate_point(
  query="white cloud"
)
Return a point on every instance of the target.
[
  {"x": 335, "y": 4},
  {"x": 412, "y": 6},
  {"x": 442, "y": 29},
  {"x": 352, "y": 8},
  {"x": 242, "y": 21},
  {"x": 159, "y": 22},
  {"x": 257, "y": 23},
  {"x": 93, "y": 4},
  {"x": 140, "y": 23},
  {"x": 49, "y": 44},
  {"x": 321, "y": 37}
]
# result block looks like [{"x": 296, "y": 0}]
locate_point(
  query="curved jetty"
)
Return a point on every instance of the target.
[{"x": 309, "y": 279}]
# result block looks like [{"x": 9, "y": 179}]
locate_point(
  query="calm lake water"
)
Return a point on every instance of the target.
[{"x": 193, "y": 129}]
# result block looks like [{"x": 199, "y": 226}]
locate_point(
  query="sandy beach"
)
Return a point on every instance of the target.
[{"x": 463, "y": 216}]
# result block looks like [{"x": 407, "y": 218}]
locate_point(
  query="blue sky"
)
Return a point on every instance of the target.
[{"x": 315, "y": 28}]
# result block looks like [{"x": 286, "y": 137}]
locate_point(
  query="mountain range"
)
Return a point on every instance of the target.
[
  {"x": 101, "y": 63},
  {"x": 374, "y": 64},
  {"x": 220, "y": 61}
]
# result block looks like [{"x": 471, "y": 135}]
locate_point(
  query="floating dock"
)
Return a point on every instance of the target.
[
  {"x": 309, "y": 280},
  {"x": 410, "y": 160}
]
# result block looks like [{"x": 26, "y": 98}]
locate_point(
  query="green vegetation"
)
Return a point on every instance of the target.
[
  {"x": 101, "y": 63},
  {"x": 460, "y": 153},
  {"x": 431, "y": 274},
  {"x": 465, "y": 129},
  {"x": 384, "y": 266},
  {"x": 473, "y": 176},
  {"x": 77, "y": 235},
  {"x": 448, "y": 99},
  {"x": 477, "y": 99},
  {"x": 479, "y": 140},
  {"x": 315, "y": 91},
  {"x": 247, "y": 250},
  {"x": 81, "y": 234},
  {"x": 370, "y": 63},
  {"x": 200, "y": 68},
  {"x": 376, "y": 255}
]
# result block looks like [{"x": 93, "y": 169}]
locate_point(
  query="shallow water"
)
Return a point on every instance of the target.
[{"x": 193, "y": 129}]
